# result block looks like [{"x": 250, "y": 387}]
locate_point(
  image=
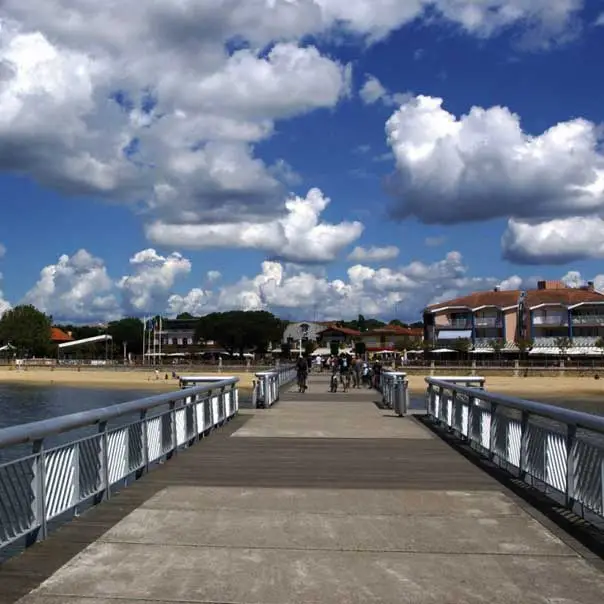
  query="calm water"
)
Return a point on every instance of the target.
[{"x": 21, "y": 404}]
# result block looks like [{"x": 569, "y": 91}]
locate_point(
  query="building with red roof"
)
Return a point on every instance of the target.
[{"x": 545, "y": 316}]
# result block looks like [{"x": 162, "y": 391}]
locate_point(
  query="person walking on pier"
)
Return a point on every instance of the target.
[{"x": 302, "y": 373}]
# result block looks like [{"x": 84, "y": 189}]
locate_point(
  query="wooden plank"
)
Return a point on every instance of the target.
[{"x": 260, "y": 462}]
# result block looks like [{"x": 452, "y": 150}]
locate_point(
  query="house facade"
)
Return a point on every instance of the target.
[
  {"x": 302, "y": 330},
  {"x": 177, "y": 335},
  {"x": 392, "y": 337},
  {"x": 545, "y": 316},
  {"x": 343, "y": 336}
]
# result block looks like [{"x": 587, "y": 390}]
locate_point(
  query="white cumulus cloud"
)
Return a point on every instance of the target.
[
  {"x": 77, "y": 287},
  {"x": 151, "y": 101},
  {"x": 554, "y": 241},
  {"x": 482, "y": 165},
  {"x": 374, "y": 253},
  {"x": 299, "y": 236},
  {"x": 153, "y": 278}
]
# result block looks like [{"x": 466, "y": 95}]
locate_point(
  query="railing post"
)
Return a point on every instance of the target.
[
  {"x": 493, "y": 431},
  {"x": 571, "y": 435},
  {"x": 173, "y": 432},
  {"x": 524, "y": 444},
  {"x": 145, "y": 440},
  {"x": 470, "y": 425},
  {"x": 194, "y": 404},
  {"x": 104, "y": 466},
  {"x": 75, "y": 477},
  {"x": 38, "y": 489}
]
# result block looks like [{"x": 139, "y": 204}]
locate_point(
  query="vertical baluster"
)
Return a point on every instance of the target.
[
  {"x": 571, "y": 436},
  {"x": 104, "y": 462},
  {"x": 76, "y": 495},
  {"x": 38, "y": 488}
]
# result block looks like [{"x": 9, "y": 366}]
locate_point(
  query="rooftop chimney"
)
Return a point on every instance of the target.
[
  {"x": 497, "y": 288},
  {"x": 550, "y": 285},
  {"x": 590, "y": 286}
]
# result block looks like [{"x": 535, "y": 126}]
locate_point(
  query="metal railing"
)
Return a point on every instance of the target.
[
  {"x": 555, "y": 320},
  {"x": 48, "y": 482},
  {"x": 554, "y": 449},
  {"x": 488, "y": 322},
  {"x": 394, "y": 387},
  {"x": 269, "y": 383},
  {"x": 588, "y": 319}
]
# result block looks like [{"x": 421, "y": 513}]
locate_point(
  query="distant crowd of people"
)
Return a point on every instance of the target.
[{"x": 347, "y": 371}]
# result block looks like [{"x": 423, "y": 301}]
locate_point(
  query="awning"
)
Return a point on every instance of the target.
[
  {"x": 442, "y": 350},
  {"x": 546, "y": 351},
  {"x": 319, "y": 352},
  {"x": 464, "y": 334},
  {"x": 586, "y": 350},
  {"x": 482, "y": 351}
]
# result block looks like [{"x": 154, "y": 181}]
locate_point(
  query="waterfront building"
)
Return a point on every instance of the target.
[
  {"x": 392, "y": 337},
  {"x": 307, "y": 331},
  {"x": 177, "y": 336},
  {"x": 546, "y": 316}
]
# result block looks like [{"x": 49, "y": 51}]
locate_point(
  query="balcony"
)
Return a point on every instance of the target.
[
  {"x": 488, "y": 322},
  {"x": 551, "y": 321},
  {"x": 457, "y": 324},
  {"x": 596, "y": 320}
]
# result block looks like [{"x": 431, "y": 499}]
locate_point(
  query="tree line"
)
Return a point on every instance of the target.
[{"x": 28, "y": 331}]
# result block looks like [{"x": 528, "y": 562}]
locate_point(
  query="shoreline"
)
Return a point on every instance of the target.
[
  {"x": 532, "y": 387},
  {"x": 123, "y": 380}
]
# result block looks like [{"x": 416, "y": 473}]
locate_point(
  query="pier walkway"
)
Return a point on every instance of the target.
[{"x": 323, "y": 498}]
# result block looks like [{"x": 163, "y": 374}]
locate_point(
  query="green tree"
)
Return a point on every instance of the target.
[
  {"x": 286, "y": 350},
  {"x": 361, "y": 324},
  {"x": 238, "y": 331},
  {"x": 185, "y": 316},
  {"x": 405, "y": 344},
  {"x": 28, "y": 329},
  {"x": 462, "y": 345},
  {"x": 128, "y": 331},
  {"x": 334, "y": 348},
  {"x": 360, "y": 348},
  {"x": 497, "y": 345},
  {"x": 309, "y": 347},
  {"x": 563, "y": 343},
  {"x": 79, "y": 332},
  {"x": 398, "y": 323},
  {"x": 524, "y": 345},
  {"x": 600, "y": 344}
]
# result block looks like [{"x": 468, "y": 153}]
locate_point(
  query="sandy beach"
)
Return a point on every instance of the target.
[
  {"x": 534, "y": 386},
  {"x": 106, "y": 378},
  {"x": 538, "y": 388}
]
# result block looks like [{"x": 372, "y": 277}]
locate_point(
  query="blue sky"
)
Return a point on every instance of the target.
[{"x": 66, "y": 187}]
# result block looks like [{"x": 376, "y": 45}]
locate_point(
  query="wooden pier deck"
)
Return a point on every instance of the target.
[{"x": 324, "y": 499}]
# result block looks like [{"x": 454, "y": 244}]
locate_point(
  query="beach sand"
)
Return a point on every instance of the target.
[
  {"x": 107, "y": 378},
  {"x": 527, "y": 387},
  {"x": 572, "y": 391}
]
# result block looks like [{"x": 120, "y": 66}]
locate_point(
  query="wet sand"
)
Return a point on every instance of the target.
[
  {"x": 583, "y": 393},
  {"x": 108, "y": 378}
]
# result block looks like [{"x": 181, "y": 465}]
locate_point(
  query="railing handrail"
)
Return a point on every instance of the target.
[
  {"x": 38, "y": 430},
  {"x": 580, "y": 419}
]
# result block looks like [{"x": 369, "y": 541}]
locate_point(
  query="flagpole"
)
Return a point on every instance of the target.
[
  {"x": 160, "y": 338},
  {"x": 144, "y": 337},
  {"x": 153, "y": 339}
]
